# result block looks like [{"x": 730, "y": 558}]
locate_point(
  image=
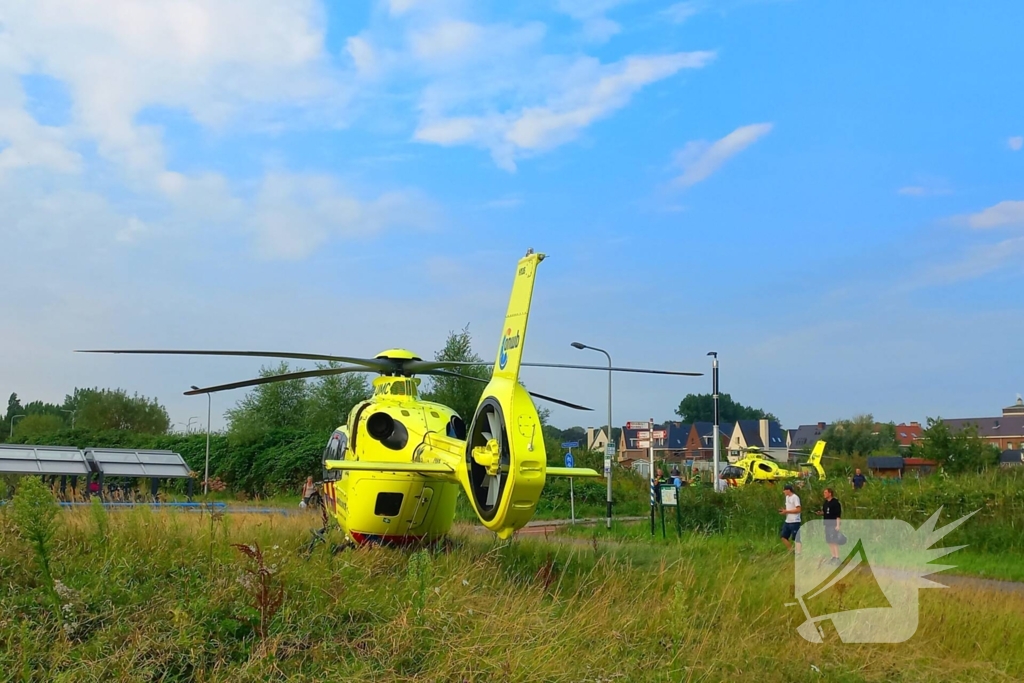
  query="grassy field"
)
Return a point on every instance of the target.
[{"x": 165, "y": 596}]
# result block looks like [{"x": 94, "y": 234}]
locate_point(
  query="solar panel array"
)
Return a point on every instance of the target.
[{"x": 112, "y": 462}]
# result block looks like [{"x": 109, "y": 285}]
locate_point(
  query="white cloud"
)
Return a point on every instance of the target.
[
  {"x": 976, "y": 262},
  {"x": 1015, "y": 143},
  {"x": 293, "y": 214},
  {"x": 700, "y": 159},
  {"x": 211, "y": 59},
  {"x": 681, "y": 11},
  {"x": 591, "y": 14},
  {"x": 575, "y": 97},
  {"x": 922, "y": 191},
  {"x": 362, "y": 54},
  {"x": 913, "y": 191},
  {"x": 24, "y": 143},
  {"x": 1002, "y": 214},
  {"x": 448, "y": 39}
]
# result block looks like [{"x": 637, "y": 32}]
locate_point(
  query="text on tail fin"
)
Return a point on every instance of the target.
[{"x": 513, "y": 331}]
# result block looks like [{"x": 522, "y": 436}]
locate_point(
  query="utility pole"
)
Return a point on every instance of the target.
[
  {"x": 72, "y": 416},
  {"x": 718, "y": 441}
]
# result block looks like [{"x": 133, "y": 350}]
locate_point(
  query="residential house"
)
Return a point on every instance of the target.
[
  {"x": 671, "y": 448},
  {"x": 1012, "y": 458},
  {"x": 767, "y": 435},
  {"x": 597, "y": 439},
  {"x": 1016, "y": 409},
  {"x": 700, "y": 443},
  {"x": 907, "y": 434},
  {"x": 1006, "y": 432},
  {"x": 805, "y": 436}
]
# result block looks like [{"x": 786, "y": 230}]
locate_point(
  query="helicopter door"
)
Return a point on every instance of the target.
[{"x": 421, "y": 507}]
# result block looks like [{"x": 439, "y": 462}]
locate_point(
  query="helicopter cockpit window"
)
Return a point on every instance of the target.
[
  {"x": 733, "y": 472},
  {"x": 763, "y": 467},
  {"x": 335, "y": 451}
]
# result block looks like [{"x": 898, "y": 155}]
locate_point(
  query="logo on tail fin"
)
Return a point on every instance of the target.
[{"x": 508, "y": 342}]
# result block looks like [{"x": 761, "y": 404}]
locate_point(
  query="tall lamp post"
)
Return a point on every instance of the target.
[
  {"x": 714, "y": 396},
  {"x": 72, "y": 416},
  {"x": 609, "y": 446},
  {"x": 13, "y": 418},
  {"x": 206, "y": 472}
]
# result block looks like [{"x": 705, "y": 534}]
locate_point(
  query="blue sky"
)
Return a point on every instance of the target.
[{"x": 829, "y": 195}]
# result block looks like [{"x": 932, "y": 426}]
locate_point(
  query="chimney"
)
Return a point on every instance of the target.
[
  {"x": 763, "y": 424},
  {"x": 821, "y": 426},
  {"x": 590, "y": 438}
]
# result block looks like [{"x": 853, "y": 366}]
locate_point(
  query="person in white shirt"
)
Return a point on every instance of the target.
[{"x": 791, "y": 525}]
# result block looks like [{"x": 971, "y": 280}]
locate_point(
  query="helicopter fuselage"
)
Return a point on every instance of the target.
[{"x": 391, "y": 507}]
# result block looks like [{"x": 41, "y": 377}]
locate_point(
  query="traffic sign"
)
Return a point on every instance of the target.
[
  {"x": 638, "y": 425},
  {"x": 643, "y": 435},
  {"x": 569, "y": 460},
  {"x": 609, "y": 449},
  {"x": 571, "y": 444},
  {"x": 643, "y": 444},
  {"x": 659, "y": 433}
]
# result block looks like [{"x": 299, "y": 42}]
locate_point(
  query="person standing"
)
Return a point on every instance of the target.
[
  {"x": 858, "y": 480},
  {"x": 791, "y": 525},
  {"x": 308, "y": 489},
  {"x": 832, "y": 511}
]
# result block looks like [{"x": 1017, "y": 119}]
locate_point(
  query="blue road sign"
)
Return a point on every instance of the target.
[
  {"x": 571, "y": 444},
  {"x": 569, "y": 460}
]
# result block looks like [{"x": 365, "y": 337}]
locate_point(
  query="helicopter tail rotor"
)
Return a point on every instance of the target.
[{"x": 505, "y": 457}]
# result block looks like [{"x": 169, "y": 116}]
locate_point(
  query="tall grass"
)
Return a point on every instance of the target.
[
  {"x": 997, "y": 495},
  {"x": 163, "y": 596}
]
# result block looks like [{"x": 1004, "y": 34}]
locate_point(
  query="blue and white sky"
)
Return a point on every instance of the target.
[{"x": 830, "y": 195}]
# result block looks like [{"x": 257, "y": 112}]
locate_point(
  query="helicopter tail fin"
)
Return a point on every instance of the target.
[
  {"x": 814, "y": 460},
  {"x": 513, "y": 331},
  {"x": 504, "y": 451}
]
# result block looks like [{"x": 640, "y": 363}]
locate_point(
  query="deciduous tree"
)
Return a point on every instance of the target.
[{"x": 701, "y": 408}]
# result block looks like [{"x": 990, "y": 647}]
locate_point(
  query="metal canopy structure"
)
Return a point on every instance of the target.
[
  {"x": 45, "y": 460},
  {"x": 123, "y": 462}
]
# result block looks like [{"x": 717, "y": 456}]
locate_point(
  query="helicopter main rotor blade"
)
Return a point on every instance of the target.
[
  {"x": 326, "y": 372},
  {"x": 374, "y": 363},
  {"x": 613, "y": 369},
  {"x": 442, "y": 373}
]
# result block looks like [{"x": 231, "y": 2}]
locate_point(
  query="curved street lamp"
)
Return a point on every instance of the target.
[
  {"x": 578, "y": 345},
  {"x": 206, "y": 473},
  {"x": 12, "y": 423}
]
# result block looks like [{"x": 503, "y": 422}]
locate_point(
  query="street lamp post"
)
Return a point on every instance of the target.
[
  {"x": 188, "y": 427},
  {"x": 714, "y": 397},
  {"x": 578, "y": 345},
  {"x": 72, "y": 416},
  {"x": 206, "y": 471},
  {"x": 15, "y": 417}
]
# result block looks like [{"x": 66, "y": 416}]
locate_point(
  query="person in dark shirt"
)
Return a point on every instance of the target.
[
  {"x": 858, "y": 479},
  {"x": 832, "y": 511}
]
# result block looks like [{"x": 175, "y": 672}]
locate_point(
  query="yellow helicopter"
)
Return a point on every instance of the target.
[
  {"x": 755, "y": 466},
  {"x": 393, "y": 472}
]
